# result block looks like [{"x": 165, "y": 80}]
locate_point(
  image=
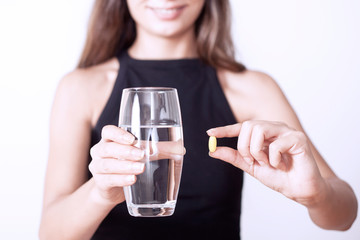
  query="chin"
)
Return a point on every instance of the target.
[
  {"x": 169, "y": 31},
  {"x": 165, "y": 18}
]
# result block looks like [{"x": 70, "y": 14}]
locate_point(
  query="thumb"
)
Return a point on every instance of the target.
[{"x": 231, "y": 156}]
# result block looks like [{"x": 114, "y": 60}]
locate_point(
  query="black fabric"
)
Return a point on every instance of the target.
[{"x": 209, "y": 200}]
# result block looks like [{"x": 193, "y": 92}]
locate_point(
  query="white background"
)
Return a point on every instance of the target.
[{"x": 310, "y": 47}]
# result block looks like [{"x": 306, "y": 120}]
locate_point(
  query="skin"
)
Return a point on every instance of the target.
[{"x": 272, "y": 144}]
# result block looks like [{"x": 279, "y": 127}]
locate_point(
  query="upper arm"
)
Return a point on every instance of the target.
[
  {"x": 266, "y": 101},
  {"x": 69, "y": 139}
]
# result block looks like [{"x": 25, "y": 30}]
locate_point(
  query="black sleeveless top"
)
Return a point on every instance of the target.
[{"x": 209, "y": 200}]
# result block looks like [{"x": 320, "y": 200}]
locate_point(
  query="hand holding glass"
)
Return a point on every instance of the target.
[{"x": 153, "y": 116}]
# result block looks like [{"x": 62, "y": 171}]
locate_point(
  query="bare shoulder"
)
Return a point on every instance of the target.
[
  {"x": 84, "y": 82},
  {"x": 250, "y": 83},
  {"x": 85, "y": 91},
  {"x": 256, "y": 95}
]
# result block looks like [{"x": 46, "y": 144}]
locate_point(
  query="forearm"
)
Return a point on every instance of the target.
[
  {"x": 337, "y": 208},
  {"x": 76, "y": 216}
]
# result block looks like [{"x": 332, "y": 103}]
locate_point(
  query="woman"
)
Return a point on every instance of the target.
[{"x": 184, "y": 44}]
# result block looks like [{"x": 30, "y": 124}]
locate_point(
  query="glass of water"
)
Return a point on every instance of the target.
[{"x": 153, "y": 116}]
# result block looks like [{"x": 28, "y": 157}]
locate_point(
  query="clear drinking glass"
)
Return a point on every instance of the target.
[{"x": 153, "y": 116}]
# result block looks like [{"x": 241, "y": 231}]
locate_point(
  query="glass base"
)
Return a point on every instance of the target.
[{"x": 151, "y": 210}]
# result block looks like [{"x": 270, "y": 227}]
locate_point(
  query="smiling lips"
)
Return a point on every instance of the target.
[{"x": 167, "y": 13}]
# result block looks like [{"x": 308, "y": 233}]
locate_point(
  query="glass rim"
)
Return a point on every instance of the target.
[{"x": 149, "y": 89}]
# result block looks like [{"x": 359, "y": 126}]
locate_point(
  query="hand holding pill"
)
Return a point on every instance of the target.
[{"x": 271, "y": 152}]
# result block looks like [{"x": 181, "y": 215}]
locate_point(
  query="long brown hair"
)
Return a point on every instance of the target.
[{"x": 112, "y": 29}]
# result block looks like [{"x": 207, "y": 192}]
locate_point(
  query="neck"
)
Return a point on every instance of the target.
[{"x": 148, "y": 46}]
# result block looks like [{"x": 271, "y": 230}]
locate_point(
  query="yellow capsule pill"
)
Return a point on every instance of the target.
[{"x": 212, "y": 144}]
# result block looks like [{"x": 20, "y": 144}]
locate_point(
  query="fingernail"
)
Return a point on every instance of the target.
[
  {"x": 138, "y": 166},
  {"x": 138, "y": 153},
  {"x": 210, "y": 131},
  {"x": 129, "y": 138},
  {"x": 130, "y": 178}
]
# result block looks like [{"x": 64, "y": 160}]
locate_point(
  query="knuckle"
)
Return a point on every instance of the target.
[
  {"x": 274, "y": 146},
  {"x": 281, "y": 125},
  {"x": 91, "y": 167},
  {"x": 247, "y": 124},
  {"x": 300, "y": 135},
  {"x": 93, "y": 151},
  {"x": 258, "y": 129},
  {"x": 105, "y": 168},
  {"x": 106, "y": 132}
]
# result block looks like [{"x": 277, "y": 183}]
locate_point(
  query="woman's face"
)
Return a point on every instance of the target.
[{"x": 166, "y": 18}]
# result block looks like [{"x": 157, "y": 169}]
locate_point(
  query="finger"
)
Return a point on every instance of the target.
[
  {"x": 107, "y": 181},
  {"x": 292, "y": 144},
  {"x": 162, "y": 150},
  {"x": 226, "y": 131},
  {"x": 115, "y": 166},
  {"x": 262, "y": 132},
  {"x": 257, "y": 144},
  {"x": 115, "y": 150},
  {"x": 116, "y": 134},
  {"x": 244, "y": 139},
  {"x": 168, "y": 150},
  {"x": 166, "y": 156},
  {"x": 171, "y": 147},
  {"x": 277, "y": 149},
  {"x": 166, "y": 147},
  {"x": 231, "y": 156}
]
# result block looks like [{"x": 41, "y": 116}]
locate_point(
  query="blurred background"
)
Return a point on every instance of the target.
[{"x": 310, "y": 47}]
